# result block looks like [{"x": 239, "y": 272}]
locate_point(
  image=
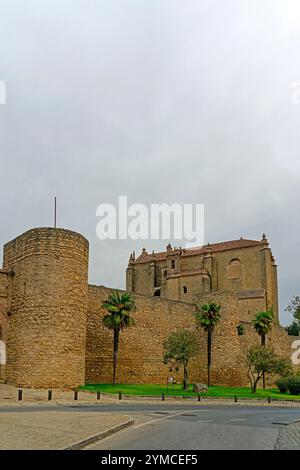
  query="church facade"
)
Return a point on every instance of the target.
[{"x": 243, "y": 267}]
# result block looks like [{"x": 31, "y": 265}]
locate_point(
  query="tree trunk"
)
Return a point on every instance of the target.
[
  {"x": 209, "y": 340},
  {"x": 116, "y": 347},
  {"x": 185, "y": 377},
  {"x": 263, "y": 343}
]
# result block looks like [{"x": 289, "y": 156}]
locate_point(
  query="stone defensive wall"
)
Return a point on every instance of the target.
[
  {"x": 47, "y": 312},
  {"x": 141, "y": 346},
  {"x": 52, "y": 336}
]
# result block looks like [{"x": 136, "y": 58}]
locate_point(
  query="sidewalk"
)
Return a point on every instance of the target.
[
  {"x": 55, "y": 430},
  {"x": 289, "y": 438},
  {"x": 9, "y": 397}
]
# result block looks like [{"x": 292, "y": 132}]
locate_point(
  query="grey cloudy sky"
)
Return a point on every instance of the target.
[{"x": 161, "y": 100}]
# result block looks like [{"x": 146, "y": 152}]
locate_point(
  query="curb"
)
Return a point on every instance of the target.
[
  {"x": 98, "y": 437},
  {"x": 150, "y": 401}
]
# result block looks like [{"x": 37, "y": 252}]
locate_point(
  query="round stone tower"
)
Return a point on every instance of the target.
[{"x": 47, "y": 309}]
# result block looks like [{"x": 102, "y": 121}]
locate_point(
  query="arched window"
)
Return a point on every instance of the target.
[
  {"x": 184, "y": 289},
  {"x": 157, "y": 293},
  {"x": 173, "y": 263},
  {"x": 234, "y": 269}
]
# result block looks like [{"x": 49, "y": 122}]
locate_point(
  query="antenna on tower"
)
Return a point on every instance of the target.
[{"x": 54, "y": 211}]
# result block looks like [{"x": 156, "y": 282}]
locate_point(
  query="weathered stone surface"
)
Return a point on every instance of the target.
[
  {"x": 141, "y": 347},
  {"x": 47, "y": 309},
  {"x": 245, "y": 267}
]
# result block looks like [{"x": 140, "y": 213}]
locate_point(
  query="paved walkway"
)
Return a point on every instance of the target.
[
  {"x": 289, "y": 438},
  {"x": 54, "y": 429},
  {"x": 9, "y": 397}
]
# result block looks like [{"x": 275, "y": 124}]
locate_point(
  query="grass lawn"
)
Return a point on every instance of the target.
[{"x": 214, "y": 391}]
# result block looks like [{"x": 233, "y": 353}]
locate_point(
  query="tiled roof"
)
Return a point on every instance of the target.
[{"x": 213, "y": 247}]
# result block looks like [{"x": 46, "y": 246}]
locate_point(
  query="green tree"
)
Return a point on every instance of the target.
[
  {"x": 180, "y": 347},
  {"x": 294, "y": 308},
  {"x": 240, "y": 329},
  {"x": 293, "y": 329},
  {"x": 119, "y": 306},
  {"x": 261, "y": 360},
  {"x": 208, "y": 316},
  {"x": 262, "y": 324}
]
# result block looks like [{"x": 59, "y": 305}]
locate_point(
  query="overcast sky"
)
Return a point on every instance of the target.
[{"x": 161, "y": 100}]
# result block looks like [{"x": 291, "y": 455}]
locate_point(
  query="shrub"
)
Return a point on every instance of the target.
[
  {"x": 283, "y": 385},
  {"x": 294, "y": 386},
  {"x": 283, "y": 368},
  {"x": 293, "y": 329}
]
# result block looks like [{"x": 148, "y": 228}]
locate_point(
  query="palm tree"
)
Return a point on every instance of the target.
[
  {"x": 208, "y": 316},
  {"x": 119, "y": 305},
  {"x": 262, "y": 324}
]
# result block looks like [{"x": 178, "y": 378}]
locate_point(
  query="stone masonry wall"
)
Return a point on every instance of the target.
[
  {"x": 141, "y": 347},
  {"x": 140, "y": 350},
  {"x": 47, "y": 314}
]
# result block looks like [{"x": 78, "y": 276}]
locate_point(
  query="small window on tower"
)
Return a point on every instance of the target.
[
  {"x": 184, "y": 289},
  {"x": 173, "y": 264},
  {"x": 166, "y": 272}
]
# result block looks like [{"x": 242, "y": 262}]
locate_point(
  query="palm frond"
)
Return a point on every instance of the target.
[{"x": 119, "y": 305}]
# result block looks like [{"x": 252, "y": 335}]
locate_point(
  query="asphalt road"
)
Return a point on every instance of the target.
[
  {"x": 205, "y": 428},
  {"x": 190, "y": 427}
]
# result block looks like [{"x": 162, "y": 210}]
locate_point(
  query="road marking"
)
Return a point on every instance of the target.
[
  {"x": 236, "y": 420},
  {"x": 158, "y": 419},
  {"x": 142, "y": 425},
  {"x": 170, "y": 415}
]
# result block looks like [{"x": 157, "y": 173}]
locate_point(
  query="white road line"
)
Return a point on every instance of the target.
[
  {"x": 158, "y": 419},
  {"x": 236, "y": 419},
  {"x": 171, "y": 415},
  {"x": 137, "y": 427}
]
